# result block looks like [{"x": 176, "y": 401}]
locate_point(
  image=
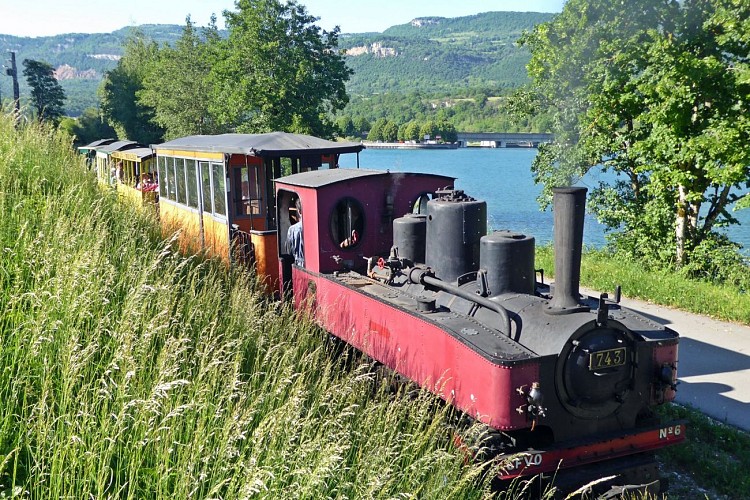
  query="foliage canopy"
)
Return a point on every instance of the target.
[
  {"x": 276, "y": 70},
  {"x": 131, "y": 118},
  {"x": 176, "y": 84},
  {"x": 656, "y": 92}
]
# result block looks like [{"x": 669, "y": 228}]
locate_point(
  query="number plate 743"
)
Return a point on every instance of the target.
[{"x": 607, "y": 358}]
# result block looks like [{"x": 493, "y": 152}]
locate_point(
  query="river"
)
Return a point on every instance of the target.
[{"x": 502, "y": 178}]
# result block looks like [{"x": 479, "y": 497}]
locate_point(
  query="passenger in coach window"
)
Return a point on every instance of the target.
[
  {"x": 118, "y": 172},
  {"x": 294, "y": 241}
]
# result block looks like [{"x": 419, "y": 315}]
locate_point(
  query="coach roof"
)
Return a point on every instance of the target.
[{"x": 273, "y": 144}]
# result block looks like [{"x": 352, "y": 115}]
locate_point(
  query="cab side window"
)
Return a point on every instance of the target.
[{"x": 347, "y": 223}]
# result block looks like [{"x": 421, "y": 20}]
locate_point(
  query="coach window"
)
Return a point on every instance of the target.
[
  {"x": 205, "y": 168},
  {"x": 219, "y": 183},
  {"x": 179, "y": 170},
  {"x": 347, "y": 223},
  {"x": 171, "y": 182},
  {"x": 246, "y": 199},
  {"x": 192, "y": 184},
  {"x": 161, "y": 163}
]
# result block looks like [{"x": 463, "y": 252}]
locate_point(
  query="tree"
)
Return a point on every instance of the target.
[
  {"x": 361, "y": 124},
  {"x": 278, "y": 70},
  {"x": 429, "y": 129},
  {"x": 402, "y": 132},
  {"x": 376, "y": 131},
  {"x": 47, "y": 96},
  {"x": 345, "y": 125},
  {"x": 88, "y": 127},
  {"x": 411, "y": 133},
  {"x": 176, "y": 83},
  {"x": 390, "y": 131},
  {"x": 447, "y": 131},
  {"x": 120, "y": 105},
  {"x": 731, "y": 22},
  {"x": 647, "y": 90}
]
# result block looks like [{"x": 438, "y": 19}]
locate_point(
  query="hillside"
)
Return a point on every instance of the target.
[
  {"x": 441, "y": 54},
  {"x": 81, "y": 59},
  {"x": 429, "y": 54}
]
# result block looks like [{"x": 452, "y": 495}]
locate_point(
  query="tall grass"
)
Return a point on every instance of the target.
[
  {"x": 603, "y": 271},
  {"x": 129, "y": 371}
]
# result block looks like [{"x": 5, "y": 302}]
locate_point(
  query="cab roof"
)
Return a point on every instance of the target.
[
  {"x": 325, "y": 177},
  {"x": 118, "y": 146},
  {"x": 96, "y": 144},
  {"x": 135, "y": 153}
]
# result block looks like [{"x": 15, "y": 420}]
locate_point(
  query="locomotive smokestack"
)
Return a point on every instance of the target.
[{"x": 569, "y": 206}]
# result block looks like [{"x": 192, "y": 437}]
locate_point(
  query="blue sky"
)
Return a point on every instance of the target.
[{"x": 51, "y": 17}]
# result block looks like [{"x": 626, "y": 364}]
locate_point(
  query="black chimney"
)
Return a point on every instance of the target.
[{"x": 569, "y": 206}]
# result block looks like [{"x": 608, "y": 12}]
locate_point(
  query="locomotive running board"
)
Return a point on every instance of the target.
[{"x": 533, "y": 462}]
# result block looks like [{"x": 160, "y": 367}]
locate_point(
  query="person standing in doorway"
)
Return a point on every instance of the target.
[{"x": 294, "y": 241}]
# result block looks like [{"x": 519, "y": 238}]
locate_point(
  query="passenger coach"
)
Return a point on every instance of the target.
[
  {"x": 137, "y": 179},
  {"x": 219, "y": 190},
  {"x": 106, "y": 170}
]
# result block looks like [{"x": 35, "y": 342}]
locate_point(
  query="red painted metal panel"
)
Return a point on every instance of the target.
[
  {"x": 420, "y": 350},
  {"x": 666, "y": 355},
  {"x": 383, "y": 198},
  {"x": 537, "y": 461}
]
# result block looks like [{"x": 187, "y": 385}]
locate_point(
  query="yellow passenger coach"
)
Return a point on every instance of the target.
[
  {"x": 137, "y": 178},
  {"x": 218, "y": 190}
]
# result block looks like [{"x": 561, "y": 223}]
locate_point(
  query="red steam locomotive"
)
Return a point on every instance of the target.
[{"x": 565, "y": 380}]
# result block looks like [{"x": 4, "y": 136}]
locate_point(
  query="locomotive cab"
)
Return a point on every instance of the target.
[{"x": 347, "y": 214}]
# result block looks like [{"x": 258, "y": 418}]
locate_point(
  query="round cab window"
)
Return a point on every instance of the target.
[
  {"x": 347, "y": 223},
  {"x": 420, "y": 205}
]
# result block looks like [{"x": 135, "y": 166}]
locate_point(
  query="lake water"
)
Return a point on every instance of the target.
[{"x": 502, "y": 178}]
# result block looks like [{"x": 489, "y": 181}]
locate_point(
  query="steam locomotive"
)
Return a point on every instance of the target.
[{"x": 569, "y": 382}]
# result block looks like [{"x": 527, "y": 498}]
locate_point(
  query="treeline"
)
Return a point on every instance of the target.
[
  {"x": 386, "y": 130},
  {"x": 92, "y": 52},
  {"x": 438, "y": 71},
  {"x": 444, "y": 55},
  {"x": 476, "y": 110},
  {"x": 496, "y": 24},
  {"x": 432, "y": 67}
]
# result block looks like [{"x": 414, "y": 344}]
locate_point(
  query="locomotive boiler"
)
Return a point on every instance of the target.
[{"x": 566, "y": 380}]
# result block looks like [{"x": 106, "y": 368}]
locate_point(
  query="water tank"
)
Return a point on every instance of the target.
[
  {"x": 508, "y": 258},
  {"x": 410, "y": 236},
  {"x": 455, "y": 224}
]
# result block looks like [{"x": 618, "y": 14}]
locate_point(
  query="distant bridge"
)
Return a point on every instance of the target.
[{"x": 502, "y": 139}]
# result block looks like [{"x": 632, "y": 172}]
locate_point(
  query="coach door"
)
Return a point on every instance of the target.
[{"x": 213, "y": 207}]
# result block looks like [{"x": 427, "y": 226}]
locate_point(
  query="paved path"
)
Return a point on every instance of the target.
[{"x": 714, "y": 362}]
